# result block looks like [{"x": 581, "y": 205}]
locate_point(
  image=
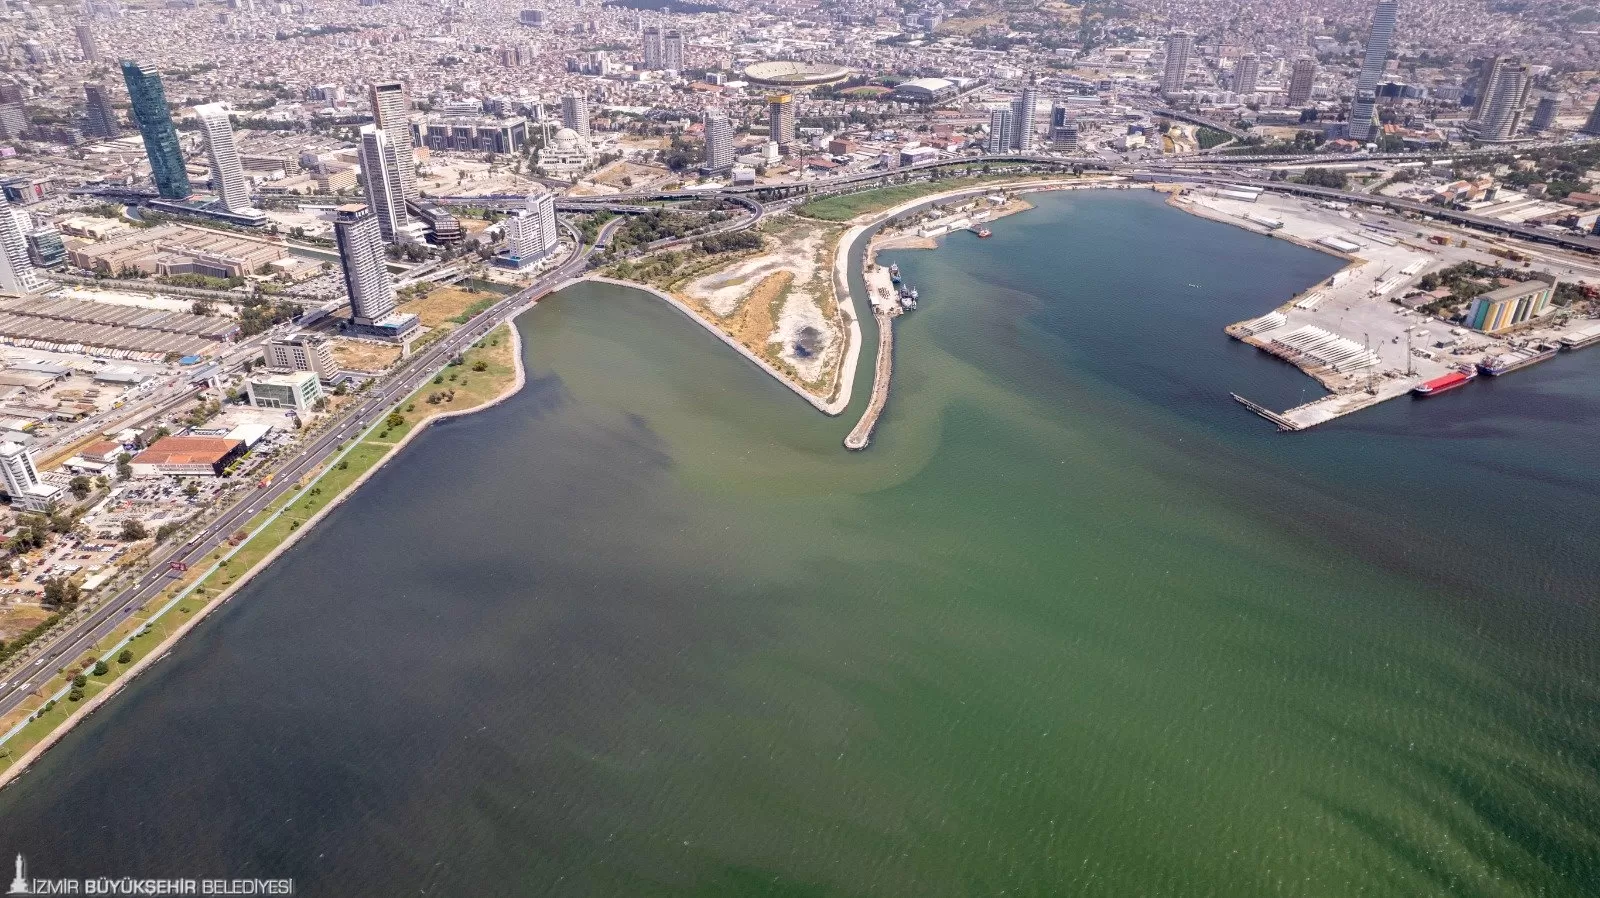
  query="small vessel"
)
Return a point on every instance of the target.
[
  {"x": 984, "y": 232},
  {"x": 1195, "y": 286},
  {"x": 894, "y": 269},
  {"x": 1444, "y": 383}
]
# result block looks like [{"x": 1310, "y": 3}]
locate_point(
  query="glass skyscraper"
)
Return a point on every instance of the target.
[{"x": 155, "y": 125}]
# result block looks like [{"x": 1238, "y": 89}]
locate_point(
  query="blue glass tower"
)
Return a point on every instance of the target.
[{"x": 155, "y": 124}]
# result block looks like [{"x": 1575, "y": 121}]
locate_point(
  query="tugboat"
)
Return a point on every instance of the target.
[{"x": 984, "y": 232}]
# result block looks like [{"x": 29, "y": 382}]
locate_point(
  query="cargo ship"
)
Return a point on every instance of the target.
[
  {"x": 1444, "y": 383},
  {"x": 1506, "y": 363}
]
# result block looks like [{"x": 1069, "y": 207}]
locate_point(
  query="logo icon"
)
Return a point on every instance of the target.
[{"x": 19, "y": 883}]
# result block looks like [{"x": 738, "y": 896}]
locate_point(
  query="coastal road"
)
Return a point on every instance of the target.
[{"x": 71, "y": 645}]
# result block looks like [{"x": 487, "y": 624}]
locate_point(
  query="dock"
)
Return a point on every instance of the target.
[
  {"x": 861, "y": 434},
  {"x": 1284, "y": 424}
]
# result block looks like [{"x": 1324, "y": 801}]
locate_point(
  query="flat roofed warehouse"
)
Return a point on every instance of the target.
[{"x": 105, "y": 329}]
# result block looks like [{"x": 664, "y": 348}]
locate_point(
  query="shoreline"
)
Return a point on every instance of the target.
[
  {"x": 23, "y": 763},
  {"x": 822, "y": 405}
]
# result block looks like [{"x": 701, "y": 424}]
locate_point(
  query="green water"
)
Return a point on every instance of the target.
[{"x": 1074, "y": 625}]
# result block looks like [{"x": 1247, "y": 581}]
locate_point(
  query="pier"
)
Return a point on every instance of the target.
[{"x": 861, "y": 434}]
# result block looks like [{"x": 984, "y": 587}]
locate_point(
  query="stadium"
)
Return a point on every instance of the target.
[{"x": 794, "y": 75}]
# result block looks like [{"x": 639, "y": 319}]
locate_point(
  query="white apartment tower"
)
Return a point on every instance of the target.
[
  {"x": 17, "y": 274},
  {"x": 1180, "y": 46},
  {"x": 652, "y": 48},
  {"x": 780, "y": 120},
  {"x": 672, "y": 51},
  {"x": 1302, "y": 81},
  {"x": 1245, "y": 73},
  {"x": 1024, "y": 111},
  {"x": 1363, "y": 111},
  {"x": 390, "y": 109},
  {"x": 385, "y": 188},
  {"x": 532, "y": 232},
  {"x": 227, "y": 171},
  {"x": 719, "y": 142},
  {"x": 999, "y": 131},
  {"x": 575, "y": 114},
  {"x": 366, "y": 276}
]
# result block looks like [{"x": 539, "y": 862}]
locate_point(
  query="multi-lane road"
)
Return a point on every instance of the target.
[{"x": 40, "y": 666}]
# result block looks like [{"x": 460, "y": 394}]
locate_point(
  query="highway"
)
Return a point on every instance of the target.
[{"x": 40, "y": 666}]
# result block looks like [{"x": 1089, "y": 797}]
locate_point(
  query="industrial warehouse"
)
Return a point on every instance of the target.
[{"x": 103, "y": 329}]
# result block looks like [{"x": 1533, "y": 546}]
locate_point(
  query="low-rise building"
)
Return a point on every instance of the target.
[
  {"x": 1509, "y": 306},
  {"x": 187, "y": 456},
  {"x": 302, "y": 352},
  {"x": 299, "y": 391}
]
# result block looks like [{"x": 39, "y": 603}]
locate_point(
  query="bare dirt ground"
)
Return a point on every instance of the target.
[
  {"x": 440, "y": 305},
  {"x": 362, "y": 355},
  {"x": 780, "y": 303}
]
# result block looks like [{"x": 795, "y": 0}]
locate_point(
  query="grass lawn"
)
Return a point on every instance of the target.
[
  {"x": 848, "y": 206},
  {"x": 149, "y": 628}
]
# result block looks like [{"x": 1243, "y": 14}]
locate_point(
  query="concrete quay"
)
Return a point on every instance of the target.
[{"x": 861, "y": 434}]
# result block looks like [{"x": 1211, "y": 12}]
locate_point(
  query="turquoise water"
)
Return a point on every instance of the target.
[{"x": 1075, "y": 624}]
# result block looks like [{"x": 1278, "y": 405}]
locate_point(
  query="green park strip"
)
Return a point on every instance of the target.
[
  {"x": 485, "y": 373},
  {"x": 845, "y": 207}
]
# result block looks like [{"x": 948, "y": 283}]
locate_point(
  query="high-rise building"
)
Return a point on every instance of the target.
[
  {"x": 1063, "y": 129},
  {"x": 366, "y": 275},
  {"x": 1302, "y": 81},
  {"x": 1180, "y": 46},
  {"x": 1488, "y": 71},
  {"x": 161, "y": 145},
  {"x": 380, "y": 168},
  {"x": 100, "y": 117},
  {"x": 13, "y": 115},
  {"x": 1544, "y": 115},
  {"x": 719, "y": 142},
  {"x": 672, "y": 51},
  {"x": 17, "y": 274},
  {"x": 575, "y": 114},
  {"x": 1245, "y": 72},
  {"x": 531, "y": 232},
  {"x": 1592, "y": 126},
  {"x": 91, "y": 50},
  {"x": 652, "y": 48},
  {"x": 1363, "y": 111},
  {"x": 27, "y": 490},
  {"x": 1504, "y": 98},
  {"x": 227, "y": 171},
  {"x": 999, "y": 140},
  {"x": 1024, "y": 111},
  {"x": 780, "y": 120},
  {"x": 390, "y": 111}
]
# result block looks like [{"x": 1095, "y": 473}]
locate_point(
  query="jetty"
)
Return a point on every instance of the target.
[{"x": 861, "y": 434}]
